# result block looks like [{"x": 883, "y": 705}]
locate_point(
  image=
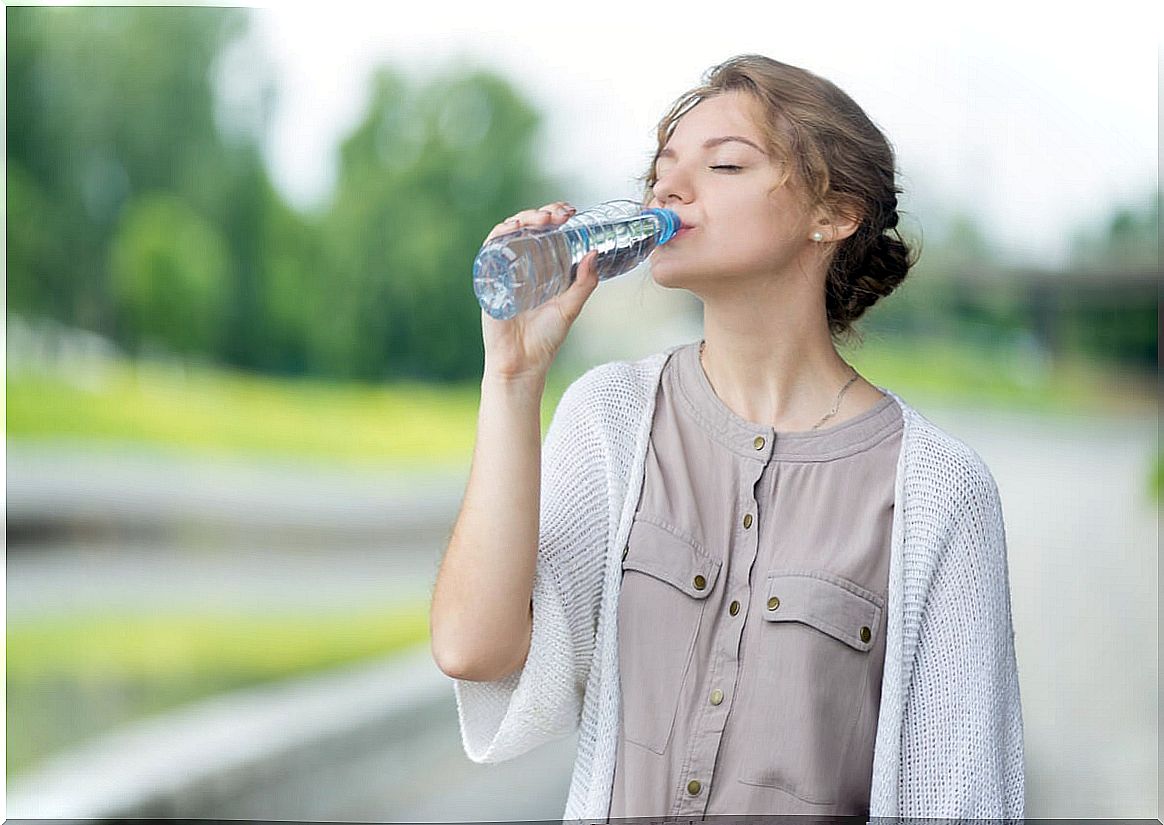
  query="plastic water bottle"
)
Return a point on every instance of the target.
[{"x": 525, "y": 268}]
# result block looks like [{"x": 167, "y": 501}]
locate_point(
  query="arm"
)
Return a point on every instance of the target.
[
  {"x": 480, "y": 621},
  {"x": 542, "y": 700}
]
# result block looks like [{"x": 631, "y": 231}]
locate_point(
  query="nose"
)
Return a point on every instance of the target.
[{"x": 670, "y": 187}]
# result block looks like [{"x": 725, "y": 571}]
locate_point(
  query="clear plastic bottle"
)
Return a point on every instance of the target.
[{"x": 525, "y": 268}]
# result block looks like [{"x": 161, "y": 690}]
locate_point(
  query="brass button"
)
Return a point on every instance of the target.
[
  {"x": 693, "y": 787},
  {"x": 759, "y": 442},
  {"x": 747, "y": 521},
  {"x": 734, "y": 608},
  {"x": 625, "y": 550},
  {"x": 865, "y": 634},
  {"x": 700, "y": 582},
  {"x": 716, "y": 696},
  {"x": 773, "y": 603}
]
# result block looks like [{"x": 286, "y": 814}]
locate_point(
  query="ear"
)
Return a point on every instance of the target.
[{"x": 839, "y": 222}]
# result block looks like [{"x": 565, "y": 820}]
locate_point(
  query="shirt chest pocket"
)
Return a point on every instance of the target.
[
  {"x": 827, "y": 603},
  {"x": 806, "y": 684},
  {"x": 666, "y": 580}
]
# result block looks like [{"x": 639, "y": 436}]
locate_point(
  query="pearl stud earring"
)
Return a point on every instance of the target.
[{"x": 817, "y": 236}]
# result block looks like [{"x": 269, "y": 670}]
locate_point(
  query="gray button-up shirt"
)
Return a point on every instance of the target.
[{"x": 751, "y": 620}]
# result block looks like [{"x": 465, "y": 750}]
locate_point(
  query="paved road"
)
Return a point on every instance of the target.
[
  {"x": 1083, "y": 541},
  {"x": 1083, "y": 556}
]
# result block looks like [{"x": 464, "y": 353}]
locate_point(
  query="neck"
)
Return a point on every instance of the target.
[{"x": 780, "y": 371}]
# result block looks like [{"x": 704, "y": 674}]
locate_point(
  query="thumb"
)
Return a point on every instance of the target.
[{"x": 584, "y": 283}]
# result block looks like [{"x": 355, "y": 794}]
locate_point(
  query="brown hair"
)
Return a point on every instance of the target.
[{"x": 839, "y": 158}]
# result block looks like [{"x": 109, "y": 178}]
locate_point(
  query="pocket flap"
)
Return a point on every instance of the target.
[
  {"x": 829, "y": 603},
  {"x": 658, "y": 552}
]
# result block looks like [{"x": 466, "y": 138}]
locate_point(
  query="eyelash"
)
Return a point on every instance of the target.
[{"x": 721, "y": 166}]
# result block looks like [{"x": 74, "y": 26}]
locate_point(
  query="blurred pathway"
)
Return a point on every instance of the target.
[
  {"x": 146, "y": 531},
  {"x": 1083, "y": 552}
]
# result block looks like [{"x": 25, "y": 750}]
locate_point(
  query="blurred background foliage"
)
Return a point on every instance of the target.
[{"x": 135, "y": 214}]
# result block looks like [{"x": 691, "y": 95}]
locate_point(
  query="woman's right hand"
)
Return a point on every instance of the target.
[{"x": 524, "y": 346}]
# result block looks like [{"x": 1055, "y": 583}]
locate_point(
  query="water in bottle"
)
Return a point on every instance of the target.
[{"x": 525, "y": 268}]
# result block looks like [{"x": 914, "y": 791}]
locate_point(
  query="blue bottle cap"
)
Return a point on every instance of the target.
[{"x": 669, "y": 220}]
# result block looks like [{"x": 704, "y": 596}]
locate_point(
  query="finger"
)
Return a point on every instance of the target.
[
  {"x": 557, "y": 206},
  {"x": 504, "y": 228},
  {"x": 544, "y": 216},
  {"x": 552, "y": 214},
  {"x": 550, "y": 211},
  {"x": 527, "y": 217},
  {"x": 558, "y": 212}
]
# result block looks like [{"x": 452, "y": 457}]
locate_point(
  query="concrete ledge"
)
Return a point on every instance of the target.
[
  {"x": 210, "y": 756},
  {"x": 75, "y": 485}
]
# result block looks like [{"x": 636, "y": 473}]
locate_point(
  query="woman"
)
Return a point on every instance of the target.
[{"x": 756, "y": 582}]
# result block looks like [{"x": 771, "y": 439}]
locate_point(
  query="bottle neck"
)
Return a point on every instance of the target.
[{"x": 669, "y": 223}]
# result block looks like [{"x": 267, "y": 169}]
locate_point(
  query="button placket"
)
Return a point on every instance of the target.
[
  {"x": 708, "y": 728},
  {"x": 742, "y": 551},
  {"x": 710, "y": 722},
  {"x": 709, "y": 725}
]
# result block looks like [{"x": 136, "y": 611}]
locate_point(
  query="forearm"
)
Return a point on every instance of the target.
[{"x": 481, "y": 616}]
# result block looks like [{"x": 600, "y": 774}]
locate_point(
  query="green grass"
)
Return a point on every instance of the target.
[
  {"x": 953, "y": 372},
  {"x": 223, "y": 412},
  {"x": 148, "y": 646},
  {"x": 409, "y": 425},
  {"x": 72, "y": 677}
]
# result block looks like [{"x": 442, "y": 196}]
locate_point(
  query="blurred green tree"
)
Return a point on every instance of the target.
[
  {"x": 106, "y": 105},
  {"x": 120, "y": 168},
  {"x": 939, "y": 296},
  {"x": 169, "y": 276},
  {"x": 422, "y": 180},
  {"x": 36, "y": 265},
  {"x": 1129, "y": 240}
]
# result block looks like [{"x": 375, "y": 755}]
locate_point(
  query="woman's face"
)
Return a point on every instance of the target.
[{"x": 742, "y": 229}]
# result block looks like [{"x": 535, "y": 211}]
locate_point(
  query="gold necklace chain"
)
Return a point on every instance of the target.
[{"x": 836, "y": 404}]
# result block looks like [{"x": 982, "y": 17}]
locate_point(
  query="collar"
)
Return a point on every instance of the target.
[{"x": 758, "y": 442}]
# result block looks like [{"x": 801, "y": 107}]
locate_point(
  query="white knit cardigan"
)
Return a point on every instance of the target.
[{"x": 949, "y": 733}]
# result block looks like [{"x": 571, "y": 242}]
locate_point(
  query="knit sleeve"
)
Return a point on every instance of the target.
[
  {"x": 962, "y": 728},
  {"x": 542, "y": 701}
]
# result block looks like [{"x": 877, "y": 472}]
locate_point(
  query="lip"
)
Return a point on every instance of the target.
[{"x": 683, "y": 230}]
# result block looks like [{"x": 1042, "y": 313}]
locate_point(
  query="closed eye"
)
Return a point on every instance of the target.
[{"x": 736, "y": 168}]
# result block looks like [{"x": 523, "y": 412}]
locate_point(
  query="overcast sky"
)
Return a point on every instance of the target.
[{"x": 1038, "y": 118}]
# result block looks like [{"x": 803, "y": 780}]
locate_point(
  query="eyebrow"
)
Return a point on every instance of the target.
[{"x": 708, "y": 144}]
